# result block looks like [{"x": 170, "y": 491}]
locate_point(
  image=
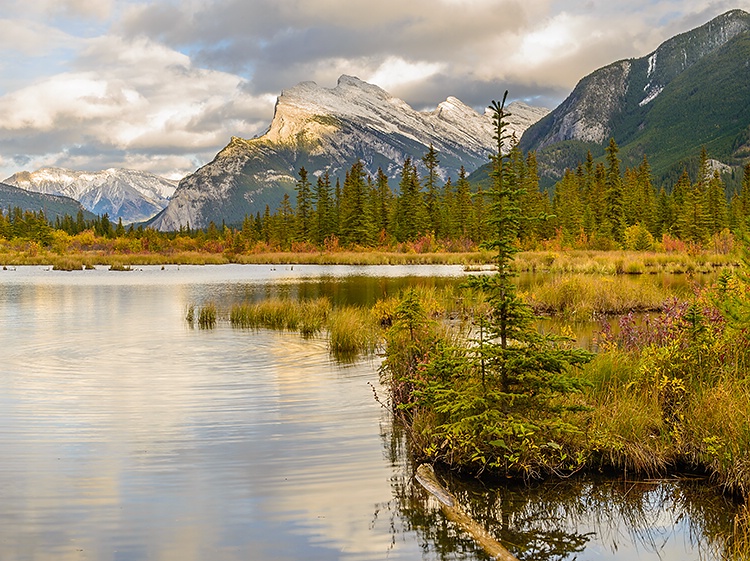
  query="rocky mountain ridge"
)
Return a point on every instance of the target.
[
  {"x": 328, "y": 129},
  {"x": 644, "y": 102},
  {"x": 121, "y": 193}
]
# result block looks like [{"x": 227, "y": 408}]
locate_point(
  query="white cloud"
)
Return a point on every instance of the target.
[
  {"x": 143, "y": 98},
  {"x": 164, "y": 84},
  {"x": 395, "y": 72}
]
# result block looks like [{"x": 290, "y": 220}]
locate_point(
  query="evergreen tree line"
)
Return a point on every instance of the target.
[
  {"x": 365, "y": 211},
  {"x": 595, "y": 206}
]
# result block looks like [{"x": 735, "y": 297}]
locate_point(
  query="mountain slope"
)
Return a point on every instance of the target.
[
  {"x": 330, "y": 129},
  {"x": 691, "y": 91},
  {"x": 128, "y": 194},
  {"x": 53, "y": 206}
]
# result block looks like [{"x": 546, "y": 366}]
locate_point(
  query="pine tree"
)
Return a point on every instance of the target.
[
  {"x": 356, "y": 221},
  {"x": 411, "y": 216},
  {"x": 479, "y": 216},
  {"x": 382, "y": 204},
  {"x": 535, "y": 202},
  {"x": 716, "y": 204},
  {"x": 567, "y": 205},
  {"x": 745, "y": 196},
  {"x": 432, "y": 199},
  {"x": 647, "y": 196},
  {"x": 304, "y": 209},
  {"x": 462, "y": 209},
  {"x": 693, "y": 220},
  {"x": 614, "y": 196},
  {"x": 447, "y": 219}
]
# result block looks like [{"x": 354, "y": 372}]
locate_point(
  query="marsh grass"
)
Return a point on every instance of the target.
[
  {"x": 120, "y": 267},
  {"x": 307, "y": 316},
  {"x": 67, "y": 264},
  {"x": 582, "y": 296},
  {"x": 207, "y": 316},
  {"x": 739, "y": 547},
  {"x": 716, "y": 432},
  {"x": 625, "y": 427},
  {"x": 622, "y": 262},
  {"x": 365, "y": 257},
  {"x": 352, "y": 331}
]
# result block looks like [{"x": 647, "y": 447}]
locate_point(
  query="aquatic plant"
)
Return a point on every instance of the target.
[
  {"x": 207, "y": 316},
  {"x": 351, "y": 331}
]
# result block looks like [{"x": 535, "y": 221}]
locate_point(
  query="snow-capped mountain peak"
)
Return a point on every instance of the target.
[
  {"x": 328, "y": 129},
  {"x": 121, "y": 193}
]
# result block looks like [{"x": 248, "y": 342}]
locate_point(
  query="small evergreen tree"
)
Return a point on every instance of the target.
[
  {"x": 615, "y": 213},
  {"x": 432, "y": 199},
  {"x": 487, "y": 402},
  {"x": 304, "y": 210},
  {"x": 356, "y": 221}
]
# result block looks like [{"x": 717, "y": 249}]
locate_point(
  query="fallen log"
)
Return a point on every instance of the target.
[{"x": 426, "y": 477}]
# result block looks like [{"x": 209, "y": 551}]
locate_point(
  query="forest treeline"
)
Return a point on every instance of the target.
[{"x": 595, "y": 206}]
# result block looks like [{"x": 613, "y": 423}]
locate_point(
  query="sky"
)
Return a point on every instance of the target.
[{"x": 162, "y": 85}]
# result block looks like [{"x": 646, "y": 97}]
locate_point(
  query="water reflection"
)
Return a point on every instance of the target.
[
  {"x": 583, "y": 518},
  {"x": 125, "y": 435}
]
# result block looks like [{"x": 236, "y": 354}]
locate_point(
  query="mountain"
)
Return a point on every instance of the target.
[
  {"x": 53, "y": 206},
  {"x": 330, "y": 129},
  {"x": 692, "y": 91},
  {"x": 121, "y": 193}
]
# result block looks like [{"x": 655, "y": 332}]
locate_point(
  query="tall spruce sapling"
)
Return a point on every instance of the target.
[{"x": 523, "y": 373}]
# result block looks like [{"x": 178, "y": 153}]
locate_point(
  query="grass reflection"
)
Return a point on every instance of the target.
[{"x": 579, "y": 518}]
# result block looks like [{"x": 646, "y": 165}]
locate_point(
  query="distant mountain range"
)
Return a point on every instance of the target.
[
  {"x": 121, "y": 193},
  {"x": 330, "y": 129},
  {"x": 53, "y": 206},
  {"x": 692, "y": 91}
]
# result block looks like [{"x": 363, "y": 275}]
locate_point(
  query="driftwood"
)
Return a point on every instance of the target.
[{"x": 453, "y": 511}]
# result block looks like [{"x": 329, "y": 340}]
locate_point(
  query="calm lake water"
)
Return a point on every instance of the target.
[{"x": 127, "y": 435}]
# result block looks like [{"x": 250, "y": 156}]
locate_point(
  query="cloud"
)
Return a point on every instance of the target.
[
  {"x": 164, "y": 84},
  {"x": 143, "y": 98}
]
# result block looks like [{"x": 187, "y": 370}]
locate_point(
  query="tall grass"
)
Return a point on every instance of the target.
[
  {"x": 307, "y": 316},
  {"x": 622, "y": 262},
  {"x": 579, "y": 296},
  {"x": 351, "y": 331},
  {"x": 207, "y": 316}
]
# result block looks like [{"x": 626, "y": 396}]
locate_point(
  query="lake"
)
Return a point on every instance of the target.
[{"x": 126, "y": 434}]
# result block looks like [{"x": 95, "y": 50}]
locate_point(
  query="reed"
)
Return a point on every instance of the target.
[
  {"x": 579, "y": 296},
  {"x": 352, "y": 331},
  {"x": 207, "y": 316},
  {"x": 622, "y": 262},
  {"x": 67, "y": 264},
  {"x": 307, "y": 316}
]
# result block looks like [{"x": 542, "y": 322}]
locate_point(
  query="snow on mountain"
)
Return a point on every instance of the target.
[
  {"x": 624, "y": 91},
  {"x": 328, "y": 129},
  {"x": 128, "y": 194}
]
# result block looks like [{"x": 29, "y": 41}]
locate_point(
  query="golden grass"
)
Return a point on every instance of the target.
[
  {"x": 307, "y": 316},
  {"x": 582, "y": 296},
  {"x": 621, "y": 262},
  {"x": 351, "y": 331}
]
